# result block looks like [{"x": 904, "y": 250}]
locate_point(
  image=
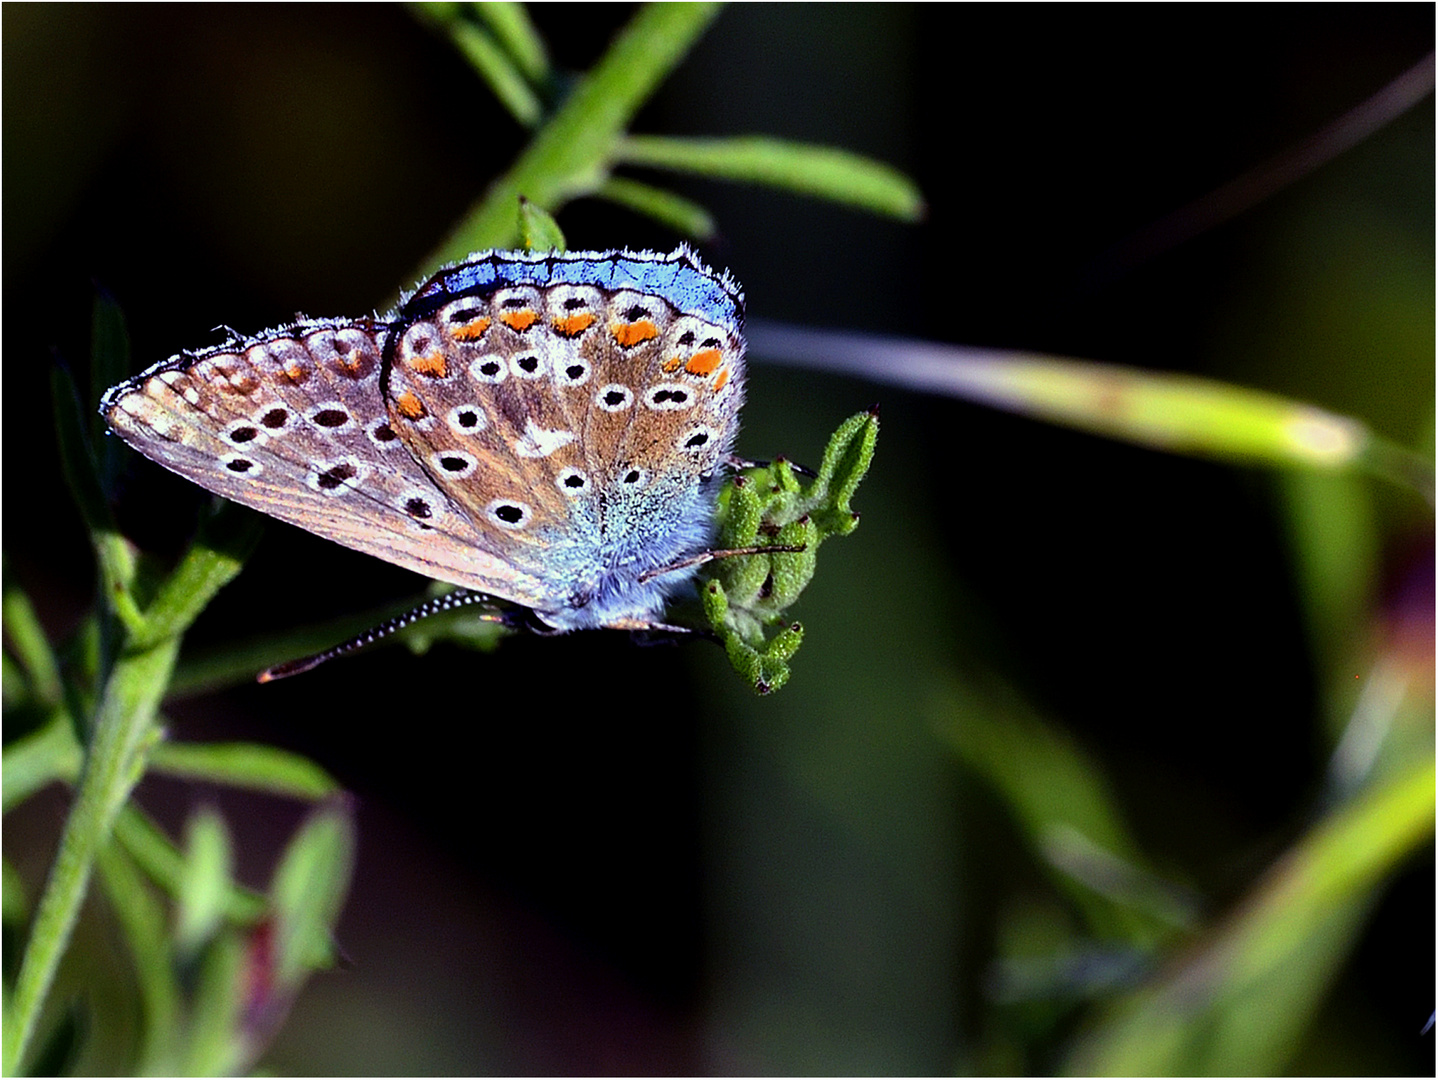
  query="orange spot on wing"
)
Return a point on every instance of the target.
[
  {"x": 704, "y": 363},
  {"x": 721, "y": 380},
  {"x": 429, "y": 364},
  {"x": 352, "y": 362},
  {"x": 519, "y": 320},
  {"x": 473, "y": 330},
  {"x": 574, "y": 325},
  {"x": 671, "y": 365},
  {"x": 628, "y": 334},
  {"x": 410, "y": 406},
  {"x": 296, "y": 372}
]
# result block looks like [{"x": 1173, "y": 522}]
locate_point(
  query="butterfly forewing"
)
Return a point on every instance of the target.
[{"x": 293, "y": 424}]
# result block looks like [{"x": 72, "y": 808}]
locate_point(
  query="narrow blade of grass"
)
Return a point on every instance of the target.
[
  {"x": 510, "y": 23},
  {"x": 253, "y": 766},
  {"x": 32, "y": 648},
  {"x": 1179, "y": 414},
  {"x": 680, "y": 214},
  {"x": 820, "y": 172},
  {"x": 146, "y": 934},
  {"x": 39, "y": 759},
  {"x": 499, "y": 72},
  {"x": 112, "y": 551},
  {"x": 163, "y": 864}
]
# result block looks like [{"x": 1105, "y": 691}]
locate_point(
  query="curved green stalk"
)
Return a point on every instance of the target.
[{"x": 570, "y": 155}]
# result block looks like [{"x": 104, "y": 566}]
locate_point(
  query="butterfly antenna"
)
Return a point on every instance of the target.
[{"x": 448, "y": 602}]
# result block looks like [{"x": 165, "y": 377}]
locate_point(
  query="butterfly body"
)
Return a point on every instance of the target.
[{"x": 549, "y": 429}]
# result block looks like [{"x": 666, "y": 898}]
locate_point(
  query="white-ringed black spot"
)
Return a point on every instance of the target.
[
  {"x": 275, "y": 418},
  {"x": 687, "y": 338},
  {"x": 244, "y": 434},
  {"x": 489, "y": 369},
  {"x": 575, "y": 372},
  {"x": 528, "y": 365},
  {"x": 467, "y": 419},
  {"x": 615, "y": 397},
  {"x": 331, "y": 418},
  {"x": 712, "y": 343},
  {"x": 637, "y": 312},
  {"x": 574, "y": 303},
  {"x": 633, "y": 477},
  {"x": 508, "y": 513},
  {"x": 571, "y": 481},
  {"x": 416, "y": 507},
  {"x": 456, "y": 464}
]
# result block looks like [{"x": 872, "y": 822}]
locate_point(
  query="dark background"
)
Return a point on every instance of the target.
[{"x": 579, "y": 856}]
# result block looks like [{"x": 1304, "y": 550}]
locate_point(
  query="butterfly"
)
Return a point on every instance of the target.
[{"x": 546, "y": 429}]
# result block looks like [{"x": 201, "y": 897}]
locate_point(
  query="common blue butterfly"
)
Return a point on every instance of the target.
[{"x": 548, "y": 429}]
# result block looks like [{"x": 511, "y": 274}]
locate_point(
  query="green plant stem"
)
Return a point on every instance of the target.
[
  {"x": 570, "y": 156},
  {"x": 125, "y": 716}
]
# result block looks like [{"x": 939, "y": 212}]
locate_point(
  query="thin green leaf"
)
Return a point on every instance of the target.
[
  {"x": 164, "y": 865},
  {"x": 205, "y": 881},
  {"x": 39, "y": 759},
  {"x": 680, "y": 214},
  {"x": 14, "y": 897},
  {"x": 498, "y": 70},
  {"x": 1179, "y": 414},
  {"x": 252, "y": 766},
  {"x": 1064, "y": 807},
  {"x": 509, "y": 22},
  {"x": 144, "y": 924},
  {"x": 109, "y": 364},
  {"x": 569, "y": 156},
  {"x": 217, "y": 1045},
  {"x": 308, "y": 891},
  {"x": 32, "y": 648},
  {"x": 77, "y": 461},
  {"x": 820, "y": 172}
]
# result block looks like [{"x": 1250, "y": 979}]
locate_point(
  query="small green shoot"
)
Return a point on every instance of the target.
[{"x": 772, "y": 507}]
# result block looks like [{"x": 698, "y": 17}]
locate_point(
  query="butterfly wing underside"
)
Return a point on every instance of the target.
[{"x": 293, "y": 424}]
